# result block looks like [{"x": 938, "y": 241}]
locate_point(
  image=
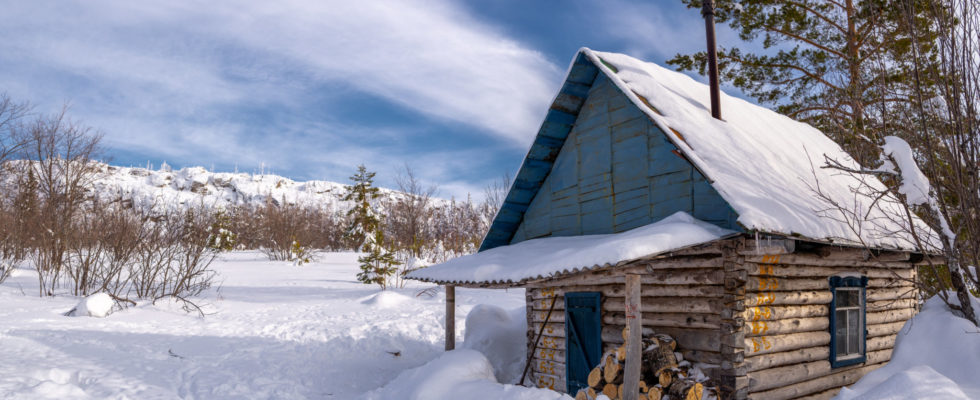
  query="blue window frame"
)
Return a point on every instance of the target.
[{"x": 848, "y": 336}]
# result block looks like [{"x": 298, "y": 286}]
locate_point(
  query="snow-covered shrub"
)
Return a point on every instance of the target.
[
  {"x": 222, "y": 238},
  {"x": 97, "y": 305},
  {"x": 501, "y": 336}
]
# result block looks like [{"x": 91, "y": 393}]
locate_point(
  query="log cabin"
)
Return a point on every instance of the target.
[{"x": 634, "y": 207}]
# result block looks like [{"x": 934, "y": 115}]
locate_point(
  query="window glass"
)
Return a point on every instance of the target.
[
  {"x": 852, "y": 331},
  {"x": 841, "y": 349}
]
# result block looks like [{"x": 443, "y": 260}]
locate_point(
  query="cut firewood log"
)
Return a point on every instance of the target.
[
  {"x": 612, "y": 371},
  {"x": 655, "y": 393},
  {"x": 665, "y": 378},
  {"x": 687, "y": 390},
  {"x": 581, "y": 395},
  {"x": 660, "y": 357},
  {"x": 591, "y": 393},
  {"x": 643, "y": 386},
  {"x": 611, "y": 390},
  {"x": 626, "y": 333},
  {"x": 621, "y": 353},
  {"x": 595, "y": 377}
]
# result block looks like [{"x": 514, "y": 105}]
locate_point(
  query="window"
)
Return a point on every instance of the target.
[{"x": 847, "y": 325}]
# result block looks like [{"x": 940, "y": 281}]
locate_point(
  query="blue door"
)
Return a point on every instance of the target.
[{"x": 583, "y": 345}]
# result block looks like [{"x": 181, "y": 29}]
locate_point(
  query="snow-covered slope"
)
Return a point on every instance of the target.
[{"x": 193, "y": 186}]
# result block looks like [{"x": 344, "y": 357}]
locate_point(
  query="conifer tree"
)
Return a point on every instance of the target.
[
  {"x": 364, "y": 220},
  {"x": 823, "y": 62},
  {"x": 379, "y": 264}
]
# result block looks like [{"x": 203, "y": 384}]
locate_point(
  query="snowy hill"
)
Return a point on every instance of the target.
[{"x": 194, "y": 186}]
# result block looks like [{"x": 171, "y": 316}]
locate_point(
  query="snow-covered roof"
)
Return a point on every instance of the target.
[
  {"x": 548, "y": 257},
  {"x": 765, "y": 165}
]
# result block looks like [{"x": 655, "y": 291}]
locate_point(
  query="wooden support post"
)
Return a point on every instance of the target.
[
  {"x": 634, "y": 343},
  {"x": 450, "y": 317}
]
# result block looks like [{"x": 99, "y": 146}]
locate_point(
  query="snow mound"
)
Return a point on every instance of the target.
[
  {"x": 386, "y": 299},
  {"x": 501, "y": 336},
  {"x": 458, "y": 374},
  {"x": 97, "y": 305},
  {"x": 937, "y": 356},
  {"x": 917, "y": 383}
]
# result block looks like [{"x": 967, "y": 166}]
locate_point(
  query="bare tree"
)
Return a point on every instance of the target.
[
  {"x": 408, "y": 222},
  {"x": 60, "y": 156},
  {"x": 494, "y": 195}
]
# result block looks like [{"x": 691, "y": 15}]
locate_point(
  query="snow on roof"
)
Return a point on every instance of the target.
[
  {"x": 765, "y": 165},
  {"x": 546, "y": 257}
]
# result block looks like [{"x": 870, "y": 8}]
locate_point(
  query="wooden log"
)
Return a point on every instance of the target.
[
  {"x": 783, "y": 326},
  {"x": 880, "y": 294},
  {"x": 654, "y": 276},
  {"x": 551, "y": 342},
  {"x": 686, "y": 389},
  {"x": 655, "y": 392},
  {"x": 668, "y": 320},
  {"x": 766, "y": 247},
  {"x": 595, "y": 377},
  {"x": 548, "y": 367},
  {"x": 611, "y": 369},
  {"x": 771, "y": 313},
  {"x": 450, "y": 317},
  {"x": 788, "y": 298},
  {"x": 885, "y": 329},
  {"x": 777, "y": 284},
  {"x": 704, "y": 261},
  {"x": 611, "y": 390},
  {"x": 841, "y": 259},
  {"x": 824, "y": 395},
  {"x": 634, "y": 340},
  {"x": 669, "y": 304},
  {"x": 773, "y": 360},
  {"x": 660, "y": 357},
  {"x": 834, "y": 380},
  {"x": 781, "y": 343},
  {"x": 592, "y": 393},
  {"x": 885, "y": 317},
  {"x": 782, "y": 376},
  {"x": 581, "y": 395},
  {"x": 822, "y": 272},
  {"x": 549, "y": 354},
  {"x": 550, "y": 381}
]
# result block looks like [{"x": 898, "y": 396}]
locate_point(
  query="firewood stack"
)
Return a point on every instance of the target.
[{"x": 660, "y": 375}]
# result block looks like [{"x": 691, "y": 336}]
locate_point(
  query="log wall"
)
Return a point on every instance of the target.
[
  {"x": 762, "y": 321},
  {"x": 786, "y": 341},
  {"x": 681, "y": 296}
]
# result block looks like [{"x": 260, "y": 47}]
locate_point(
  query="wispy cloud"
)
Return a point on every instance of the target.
[{"x": 242, "y": 82}]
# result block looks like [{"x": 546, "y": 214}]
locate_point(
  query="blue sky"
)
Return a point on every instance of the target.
[{"x": 310, "y": 89}]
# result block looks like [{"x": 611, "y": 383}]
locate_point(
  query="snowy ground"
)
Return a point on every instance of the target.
[{"x": 274, "y": 331}]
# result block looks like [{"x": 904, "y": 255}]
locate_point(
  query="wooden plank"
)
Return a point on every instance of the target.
[
  {"x": 634, "y": 314},
  {"x": 788, "y": 298},
  {"x": 775, "y": 284},
  {"x": 450, "y": 317},
  {"x": 813, "y": 260}
]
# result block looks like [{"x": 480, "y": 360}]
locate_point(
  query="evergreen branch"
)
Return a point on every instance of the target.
[
  {"x": 807, "y": 41},
  {"x": 802, "y": 70},
  {"x": 817, "y": 14}
]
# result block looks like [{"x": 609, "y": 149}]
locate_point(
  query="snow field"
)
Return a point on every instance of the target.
[{"x": 273, "y": 330}]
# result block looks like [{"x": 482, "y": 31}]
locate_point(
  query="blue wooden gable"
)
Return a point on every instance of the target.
[{"x": 600, "y": 165}]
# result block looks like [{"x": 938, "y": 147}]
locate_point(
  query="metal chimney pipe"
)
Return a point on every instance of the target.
[{"x": 708, "y": 12}]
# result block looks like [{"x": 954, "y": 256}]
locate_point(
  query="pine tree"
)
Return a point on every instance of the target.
[
  {"x": 364, "y": 220},
  {"x": 379, "y": 264},
  {"x": 824, "y": 63}
]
